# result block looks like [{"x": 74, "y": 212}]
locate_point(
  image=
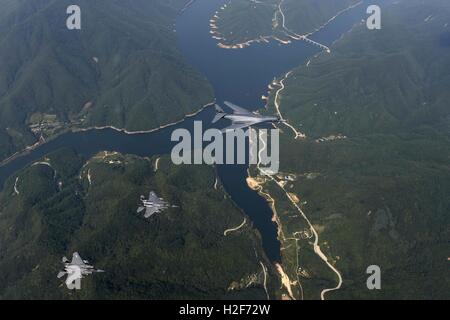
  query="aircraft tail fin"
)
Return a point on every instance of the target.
[{"x": 220, "y": 114}]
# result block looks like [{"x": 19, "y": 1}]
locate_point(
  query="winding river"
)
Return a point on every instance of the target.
[{"x": 241, "y": 76}]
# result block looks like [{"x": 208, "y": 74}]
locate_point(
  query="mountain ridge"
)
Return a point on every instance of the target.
[{"x": 122, "y": 69}]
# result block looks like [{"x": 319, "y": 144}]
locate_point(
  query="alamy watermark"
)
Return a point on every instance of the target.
[
  {"x": 75, "y": 270},
  {"x": 254, "y": 147},
  {"x": 73, "y": 22},
  {"x": 374, "y": 280},
  {"x": 374, "y": 20}
]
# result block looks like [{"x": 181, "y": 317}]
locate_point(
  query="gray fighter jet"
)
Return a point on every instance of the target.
[
  {"x": 76, "y": 269},
  {"x": 153, "y": 205},
  {"x": 242, "y": 118}
]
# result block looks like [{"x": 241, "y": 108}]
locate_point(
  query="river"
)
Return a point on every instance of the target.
[{"x": 240, "y": 76}]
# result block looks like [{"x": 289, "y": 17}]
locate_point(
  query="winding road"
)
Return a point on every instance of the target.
[{"x": 317, "y": 249}]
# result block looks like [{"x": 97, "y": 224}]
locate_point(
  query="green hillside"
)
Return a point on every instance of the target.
[
  {"x": 122, "y": 68},
  {"x": 243, "y": 20},
  {"x": 91, "y": 208},
  {"x": 305, "y": 16},
  {"x": 378, "y": 195}
]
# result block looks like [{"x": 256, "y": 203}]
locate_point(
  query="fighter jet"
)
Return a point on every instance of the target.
[
  {"x": 242, "y": 118},
  {"x": 76, "y": 269},
  {"x": 153, "y": 205}
]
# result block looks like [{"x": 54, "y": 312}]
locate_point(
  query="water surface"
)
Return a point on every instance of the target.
[{"x": 241, "y": 76}]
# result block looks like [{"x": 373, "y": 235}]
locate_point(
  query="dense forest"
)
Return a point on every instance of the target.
[
  {"x": 373, "y": 173},
  {"x": 62, "y": 205},
  {"x": 123, "y": 69},
  {"x": 242, "y": 20}
]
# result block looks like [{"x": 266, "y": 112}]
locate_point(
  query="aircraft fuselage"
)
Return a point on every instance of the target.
[{"x": 236, "y": 118}]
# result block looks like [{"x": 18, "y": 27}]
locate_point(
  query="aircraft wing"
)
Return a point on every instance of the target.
[
  {"x": 236, "y": 126},
  {"x": 150, "y": 212},
  {"x": 153, "y": 197},
  {"x": 140, "y": 209},
  {"x": 76, "y": 260},
  {"x": 236, "y": 109}
]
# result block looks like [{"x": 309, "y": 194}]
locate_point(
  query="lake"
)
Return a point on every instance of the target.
[{"x": 240, "y": 76}]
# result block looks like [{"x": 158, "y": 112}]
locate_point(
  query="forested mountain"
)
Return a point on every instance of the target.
[
  {"x": 242, "y": 20},
  {"x": 373, "y": 173},
  {"x": 123, "y": 68},
  {"x": 62, "y": 205}
]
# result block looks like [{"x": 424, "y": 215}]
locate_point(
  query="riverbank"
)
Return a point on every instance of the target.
[
  {"x": 240, "y": 76},
  {"x": 69, "y": 129},
  {"x": 280, "y": 32}
]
